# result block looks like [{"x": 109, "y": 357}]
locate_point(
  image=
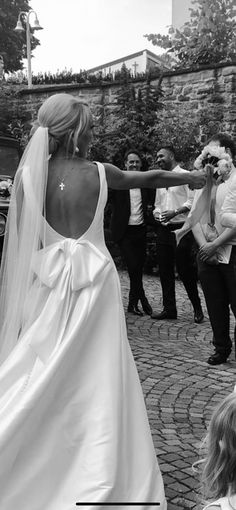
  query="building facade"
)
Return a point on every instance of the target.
[{"x": 139, "y": 62}]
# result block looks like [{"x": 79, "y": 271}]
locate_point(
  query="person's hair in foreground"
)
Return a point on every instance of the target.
[{"x": 219, "y": 465}]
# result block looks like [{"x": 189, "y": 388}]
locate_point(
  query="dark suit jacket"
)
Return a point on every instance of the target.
[{"x": 120, "y": 201}]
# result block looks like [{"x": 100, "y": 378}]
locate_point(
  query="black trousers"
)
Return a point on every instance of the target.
[
  {"x": 182, "y": 256},
  {"x": 133, "y": 250},
  {"x": 219, "y": 287}
]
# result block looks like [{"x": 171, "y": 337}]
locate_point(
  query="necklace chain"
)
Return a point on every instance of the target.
[{"x": 62, "y": 180}]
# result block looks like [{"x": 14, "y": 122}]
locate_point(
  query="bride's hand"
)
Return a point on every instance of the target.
[{"x": 207, "y": 251}]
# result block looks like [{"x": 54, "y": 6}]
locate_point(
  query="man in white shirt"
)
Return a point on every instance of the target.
[
  {"x": 171, "y": 208},
  {"x": 217, "y": 259}
]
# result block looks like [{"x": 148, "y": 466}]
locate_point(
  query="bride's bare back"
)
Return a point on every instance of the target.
[{"x": 70, "y": 208}]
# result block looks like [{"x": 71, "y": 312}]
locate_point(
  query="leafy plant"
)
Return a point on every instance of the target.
[
  {"x": 209, "y": 37},
  {"x": 68, "y": 76},
  {"x": 134, "y": 121},
  {"x": 19, "y": 130},
  {"x": 13, "y": 44}
]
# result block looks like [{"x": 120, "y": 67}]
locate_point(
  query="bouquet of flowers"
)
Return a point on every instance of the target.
[
  {"x": 217, "y": 159},
  {"x": 5, "y": 188}
]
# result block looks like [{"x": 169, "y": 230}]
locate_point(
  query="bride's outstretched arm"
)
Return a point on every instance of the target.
[{"x": 119, "y": 179}]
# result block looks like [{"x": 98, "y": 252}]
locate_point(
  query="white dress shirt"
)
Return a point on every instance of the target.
[
  {"x": 136, "y": 208},
  {"x": 169, "y": 199},
  {"x": 222, "y": 193},
  {"x": 228, "y": 211}
]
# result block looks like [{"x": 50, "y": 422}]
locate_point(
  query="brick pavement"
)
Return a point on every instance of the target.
[{"x": 180, "y": 388}]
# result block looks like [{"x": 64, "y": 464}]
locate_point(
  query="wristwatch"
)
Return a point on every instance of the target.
[{"x": 176, "y": 212}]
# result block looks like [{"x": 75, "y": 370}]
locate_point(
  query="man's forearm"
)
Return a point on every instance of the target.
[{"x": 225, "y": 237}]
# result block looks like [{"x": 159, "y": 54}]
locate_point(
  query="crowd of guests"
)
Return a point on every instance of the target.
[{"x": 183, "y": 242}]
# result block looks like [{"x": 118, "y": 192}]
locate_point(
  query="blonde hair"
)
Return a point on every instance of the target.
[
  {"x": 67, "y": 119},
  {"x": 219, "y": 468}
]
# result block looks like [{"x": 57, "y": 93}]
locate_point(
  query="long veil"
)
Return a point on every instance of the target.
[{"x": 24, "y": 235}]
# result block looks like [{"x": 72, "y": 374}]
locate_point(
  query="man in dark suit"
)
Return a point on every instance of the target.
[{"x": 128, "y": 228}]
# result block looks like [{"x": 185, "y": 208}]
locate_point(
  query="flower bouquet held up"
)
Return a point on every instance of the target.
[{"x": 215, "y": 160}]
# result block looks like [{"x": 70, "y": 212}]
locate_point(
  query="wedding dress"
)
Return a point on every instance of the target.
[{"x": 73, "y": 423}]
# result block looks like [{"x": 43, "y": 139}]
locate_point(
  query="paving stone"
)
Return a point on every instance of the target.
[
  {"x": 178, "y": 487},
  {"x": 180, "y": 388}
]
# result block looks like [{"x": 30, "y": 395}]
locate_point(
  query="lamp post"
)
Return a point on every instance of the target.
[{"x": 34, "y": 26}]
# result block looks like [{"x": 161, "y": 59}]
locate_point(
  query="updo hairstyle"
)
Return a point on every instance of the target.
[{"x": 67, "y": 119}]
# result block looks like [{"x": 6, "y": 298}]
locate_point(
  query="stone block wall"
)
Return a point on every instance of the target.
[
  {"x": 213, "y": 89},
  {"x": 186, "y": 93}
]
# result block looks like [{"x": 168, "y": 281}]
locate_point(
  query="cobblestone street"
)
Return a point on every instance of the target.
[{"x": 180, "y": 388}]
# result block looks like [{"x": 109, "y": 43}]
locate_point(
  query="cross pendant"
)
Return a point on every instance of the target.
[{"x": 62, "y": 185}]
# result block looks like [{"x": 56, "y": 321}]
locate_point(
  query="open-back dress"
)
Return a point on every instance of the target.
[{"x": 73, "y": 423}]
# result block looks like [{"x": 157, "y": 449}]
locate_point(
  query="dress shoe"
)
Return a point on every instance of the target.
[
  {"x": 217, "y": 359},
  {"x": 164, "y": 315},
  {"x": 135, "y": 310},
  {"x": 146, "y": 307},
  {"x": 198, "y": 316}
]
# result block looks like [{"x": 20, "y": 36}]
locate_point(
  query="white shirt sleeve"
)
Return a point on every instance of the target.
[
  {"x": 157, "y": 205},
  {"x": 190, "y": 197},
  {"x": 228, "y": 211}
]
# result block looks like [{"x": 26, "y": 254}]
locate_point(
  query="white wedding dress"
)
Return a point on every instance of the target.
[{"x": 73, "y": 423}]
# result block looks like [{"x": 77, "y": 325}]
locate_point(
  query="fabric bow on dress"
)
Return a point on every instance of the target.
[
  {"x": 79, "y": 260},
  {"x": 63, "y": 267}
]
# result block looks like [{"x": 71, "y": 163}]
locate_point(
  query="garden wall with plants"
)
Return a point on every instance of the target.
[
  {"x": 195, "y": 102},
  {"x": 183, "y": 108}
]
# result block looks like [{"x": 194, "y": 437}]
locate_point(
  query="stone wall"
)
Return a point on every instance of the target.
[
  {"x": 186, "y": 93},
  {"x": 212, "y": 89}
]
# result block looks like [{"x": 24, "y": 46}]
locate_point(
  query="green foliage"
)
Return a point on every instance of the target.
[
  {"x": 139, "y": 117},
  {"x": 7, "y": 98},
  {"x": 183, "y": 132},
  {"x": 208, "y": 38},
  {"x": 135, "y": 118},
  {"x": 20, "y": 131},
  {"x": 13, "y": 44},
  {"x": 142, "y": 120},
  {"x": 68, "y": 76}
]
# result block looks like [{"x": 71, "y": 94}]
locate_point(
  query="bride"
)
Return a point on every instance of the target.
[{"x": 73, "y": 424}]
